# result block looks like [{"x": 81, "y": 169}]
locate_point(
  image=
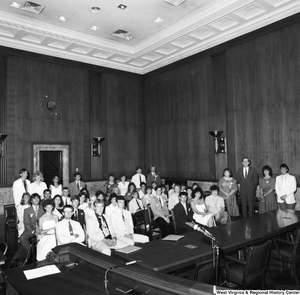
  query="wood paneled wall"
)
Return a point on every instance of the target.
[
  {"x": 179, "y": 112},
  {"x": 263, "y": 105},
  {"x": 90, "y": 104}
]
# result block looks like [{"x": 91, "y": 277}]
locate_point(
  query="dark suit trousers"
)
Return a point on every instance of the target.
[
  {"x": 248, "y": 195},
  {"x": 24, "y": 238}
]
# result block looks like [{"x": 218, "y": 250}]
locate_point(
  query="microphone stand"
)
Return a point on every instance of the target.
[{"x": 215, "y": 249}]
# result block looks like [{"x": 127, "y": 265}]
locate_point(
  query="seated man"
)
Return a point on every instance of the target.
[
  {"x": 78, "y": 214},
  {"x": 68, "y": 230},
  {"x": 183, "y": 215},
  {"x": 122, "y": 225},
  {"x": 215, "y": 205},
  {"x": 31, "y": 218},
  {"x": 47, "y": 196},
  {"x": 101, "y": 238},
  {"x": 66, "y": 196}
]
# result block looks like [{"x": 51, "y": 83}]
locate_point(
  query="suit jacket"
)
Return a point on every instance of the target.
[
  {"x": 151, "y": 178},
  {"x": 19, "y": 189},
  {"x": 80, "y": 217},
  {"x": 94, "y": 232},
  {"x": 30, "y": 219},
  {"x": 286, "y": 185},
  {"x": 136, "y": 179},
  {"x": 63, "y": 232},
  {"x": 73, "y": 189},
  {"x": 156, "y": 207},
  {"x": 249, "y": 183},
  {"x": 180, "y": 215},
  {"x": 119, "y": 226}
]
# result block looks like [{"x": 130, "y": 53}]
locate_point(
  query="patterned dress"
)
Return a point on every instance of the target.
[
  {"x": 269, "y": 203},
  {"x": 229, "y": 185}
]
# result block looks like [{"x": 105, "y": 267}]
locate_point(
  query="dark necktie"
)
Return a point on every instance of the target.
[
  {"x": 123, "y": 217},
  {"x": 78, "y": 186},
  {"x": 76, "y": 215},
  {"x": 25, "y": 185},
  {"x": 71, "y": 229},
  {"x": 140, "y": 180}
]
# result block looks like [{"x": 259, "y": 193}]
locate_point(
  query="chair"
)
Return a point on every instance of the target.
[
  {"x": 20, "y": 258},
  {"x": 150, "y": 228},
  {"x": 286, "y": 254},
  {"x": 174, "y": 222},
  {"x": 10, "y": 220},
  {"x": 3, "y": 247},
  {"x": 250, "y": 271}
]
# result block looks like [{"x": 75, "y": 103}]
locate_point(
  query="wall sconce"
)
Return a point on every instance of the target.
[
  {"x": 96, "y": 146},
  {"x": 220, "y": 142},
  {"x": 2, "y": 138}
]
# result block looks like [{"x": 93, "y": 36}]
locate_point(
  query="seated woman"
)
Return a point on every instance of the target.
[
  {"x": 46, "y": 231},
  {"x": 101, "y": 196},
  {"x": 147, "y": 197},
  {"x": 110, "y": 185},
  {"x": 113, "y": 206},
  {"x": 58, "y": 206},
  {"x": 216, "y": 206},
  {"x": 83, "y": 200},
  {"x": 158, "y": 204},
  {"x": 20, "y": 212},
  {"x": 201, "y": 214},
  {"x": 91, "y": 206},
  {"x": 130, "y": 191}
]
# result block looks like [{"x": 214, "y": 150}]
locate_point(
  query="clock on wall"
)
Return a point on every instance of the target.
[{"x": 51, "y": 105}]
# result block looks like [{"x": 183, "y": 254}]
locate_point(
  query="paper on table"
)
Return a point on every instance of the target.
[
  {"x": 172, "y": 238},
  {"x": 41, "y": 272}
]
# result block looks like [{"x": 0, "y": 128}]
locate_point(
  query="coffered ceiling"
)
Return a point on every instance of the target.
[{"x": 148, "y": 34}]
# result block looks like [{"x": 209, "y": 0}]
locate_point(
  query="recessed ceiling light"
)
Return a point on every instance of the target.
[
  {"x": 94, "y": 28},
  {"x": 158, "y": 20},
  {"x": 15, "y": 5},
  {"x": 128, "y": 38},
  {"x": 122, "y": 6},
  {"x": 175, "y": 2},
  {"x": 62, "y": 18},
  {"x": 95, "y": 9}
]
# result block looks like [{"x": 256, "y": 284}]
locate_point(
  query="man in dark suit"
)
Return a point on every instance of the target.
[
  {"x": 183, "y": 215},
  {"x": 247, "y": 179},
  {"x": 76, "y": 186},
  {"x": 31, "y": 218},
  {"x": 78, "y": 214},
  {"x": 153, "y": 176}
]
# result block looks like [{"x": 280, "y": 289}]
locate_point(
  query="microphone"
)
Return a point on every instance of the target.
[{"x": 203, "y": 230}]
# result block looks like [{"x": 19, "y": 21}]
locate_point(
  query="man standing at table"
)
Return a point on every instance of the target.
[
  {"x": 20, "y": 186},
  {"x": 247, "y": 179}
]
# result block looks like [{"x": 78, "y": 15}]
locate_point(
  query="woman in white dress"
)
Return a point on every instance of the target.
[
  {"x": 38, "y": 185},
  {"x": 123, "y": 185},
  {"x": 83, "y": 200},
  {"x": 56, "y": 187},
  {"x": 46, "y": 231},
  {"x": 20, "y": 212},
  {"x": 201, "y": 214},
  {"x": 91, "y": 206},
  {"x": 58, "y": 206}
]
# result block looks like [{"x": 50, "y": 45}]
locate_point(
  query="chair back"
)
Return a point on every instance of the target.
[
  {"x": 10, "y": 213},
  {"x": 20, "y": 258},
  {"x": 3, "y": 247},
  {"x": 174, "y": 222},
  {"x": 296, "y": 240},
  {"x": 257, "y": 259}
]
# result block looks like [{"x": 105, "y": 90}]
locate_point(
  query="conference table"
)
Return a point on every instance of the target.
[{"x": 195, "y": 247}]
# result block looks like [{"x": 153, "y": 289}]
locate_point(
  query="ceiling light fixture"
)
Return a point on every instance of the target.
[
  {"x": 175, "y": 2},
  {"x": 15, "y": 5},
  {"x": 158, "y": 20},
  {"x": 95, "y": 9},
  {"x": 62, "y": 18},
  {"x": 122, "y": 6},
  {"x": 128, "y": 38},
  {"x": 94, "y": 28}
]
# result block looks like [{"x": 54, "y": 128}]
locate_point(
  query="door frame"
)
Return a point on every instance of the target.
[{"x": 64, "y": 148}]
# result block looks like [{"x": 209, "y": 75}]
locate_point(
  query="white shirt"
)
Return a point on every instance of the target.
[
  {"x": 123, "y": 187},
  {"x": 37, "y": 188}
]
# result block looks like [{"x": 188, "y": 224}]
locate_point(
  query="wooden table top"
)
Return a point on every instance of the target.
[{"x": 168, "y": 256}]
